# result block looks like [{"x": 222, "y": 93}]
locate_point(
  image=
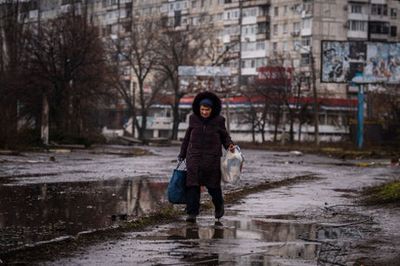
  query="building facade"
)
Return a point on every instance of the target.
[{"x": 256, "y": 33}]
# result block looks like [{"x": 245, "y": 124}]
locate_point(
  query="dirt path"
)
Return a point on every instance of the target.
[
  {"x": 309, "y": 223},
  {"x": 314, "y": 222}
]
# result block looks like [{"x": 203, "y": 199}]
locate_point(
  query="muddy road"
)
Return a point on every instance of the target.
[{"x": 57, "y": 196}]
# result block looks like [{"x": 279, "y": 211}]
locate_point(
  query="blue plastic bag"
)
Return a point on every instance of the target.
[{"x": 177, "y": 186}]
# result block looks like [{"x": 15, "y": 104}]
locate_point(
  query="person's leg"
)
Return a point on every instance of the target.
[
  {"x": 192, "y": 202},
  {"x": 218, "y": 201}
]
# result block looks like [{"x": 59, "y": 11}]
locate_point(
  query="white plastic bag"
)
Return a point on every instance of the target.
[{"x": 231, "y": 166}]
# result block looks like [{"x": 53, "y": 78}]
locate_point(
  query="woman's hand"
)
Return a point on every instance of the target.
[{"x": 231, "y": 147}]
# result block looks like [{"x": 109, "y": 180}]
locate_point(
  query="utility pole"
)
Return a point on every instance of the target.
[
  {"x": 315, "y": 94},
  {"x": 240, "y": 44},
  {"x": 44, "y": 127},
  {"x": 315, "y": 97}
]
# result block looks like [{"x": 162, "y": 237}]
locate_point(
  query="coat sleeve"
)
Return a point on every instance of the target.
[
  {"x": 224, "y": 135},
  {"x": 185, "y": 143}
]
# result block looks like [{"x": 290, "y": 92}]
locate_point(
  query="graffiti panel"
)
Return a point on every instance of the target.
[
  {"x": 378, "y": 61},
  {"x": 335, "y": 61}
]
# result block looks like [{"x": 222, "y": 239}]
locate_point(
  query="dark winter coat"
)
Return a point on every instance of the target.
[{"x": 202, "y": 144}]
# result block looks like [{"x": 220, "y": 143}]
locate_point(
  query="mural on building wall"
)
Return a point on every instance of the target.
[
  {"x": 378, "y": 61},
  {"x": 335, "y": 58}
]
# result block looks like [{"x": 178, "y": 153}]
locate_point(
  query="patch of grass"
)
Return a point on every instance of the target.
[
  {"x": 341, "y": 150},
  {"x": 382, "y": 194},
  {"x": 163, "y": 216}
]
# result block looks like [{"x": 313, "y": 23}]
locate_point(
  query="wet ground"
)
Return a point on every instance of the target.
[{"x": 52, "y": 196}]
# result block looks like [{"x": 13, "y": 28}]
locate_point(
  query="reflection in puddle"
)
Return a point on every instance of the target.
[
  {"x": 254, "y": 242},
  {"x": 40, "y": 212}
]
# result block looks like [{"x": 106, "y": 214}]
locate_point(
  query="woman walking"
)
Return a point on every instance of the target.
[{"x": 201, "y": 148}]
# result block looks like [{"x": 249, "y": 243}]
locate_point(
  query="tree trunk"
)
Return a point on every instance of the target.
[
  {"x": 176, "y": 118},
  {"x": 300, "y": 124},
  {"x": 276, "y": 124},
  {"x": 263, "y": 134},
  {"x": 291, "y": 130},
  {"x": 143, "y": 126},
  {"x": 253, "y": 134},
  {"x": 44, "y": 130}
]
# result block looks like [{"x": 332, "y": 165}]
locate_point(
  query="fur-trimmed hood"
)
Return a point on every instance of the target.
[{"x": 216, "y": 108}]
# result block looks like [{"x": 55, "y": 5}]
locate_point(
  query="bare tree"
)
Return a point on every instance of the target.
[
  {"x": 384, "y": 106},
  {"x": 259, "y": 109},
  {"x": 178, "y": 47},
  {"x": 140, "y": 52},
  {"x": 274, "y": 97},
  {"x": 67, "y": 65},
  {"x": 13, "y": 43}
]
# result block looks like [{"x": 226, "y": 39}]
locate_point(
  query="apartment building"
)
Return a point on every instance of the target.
[{"x": 256, "y": 32}]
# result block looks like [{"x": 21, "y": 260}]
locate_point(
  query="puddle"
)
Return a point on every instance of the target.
[
  {"x": 249, "y": 241},
  {"x": 41, "y": 212}
]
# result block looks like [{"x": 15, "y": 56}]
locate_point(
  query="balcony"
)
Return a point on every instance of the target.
[
  {"x": 228, "y": 5},
  {"x": 358, "y": 16},
  {"x": 306, "y": 32},
  {"x": 250, "y": 3},
  {"x": 262, "y": 19},
  {"x": 231, "y": 22},
  {"x": 381, "y": 18},
  {"x": 249, "y": 20},
  {"x": 378, "y": 37},
  {"x": 358, "y": 35},
  {"x": 262, "y": 36},
  {"x": 295, "y": 33},
  {"x": 378, "y": 30}
]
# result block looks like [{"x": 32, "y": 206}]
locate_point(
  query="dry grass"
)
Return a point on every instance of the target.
[{"x": 382, "y": 194}]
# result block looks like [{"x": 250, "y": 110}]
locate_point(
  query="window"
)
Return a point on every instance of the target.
[
  {"x": 296, "y": 26},
  {"x": 177, "y": 18},
  {"x": 305, "y": 60},
  {"x": 250, "y": 12},
  {"x": 249, "y": 30},
  {"x": 296, "y": 8},
  {"x": 393, "y": 13},
  {"x": 276, "y": 11},
  {"x": 356, "y": 25},
  {"x": 307, "y": 23},
  {"x": 261, "y": 28},
  {"x": 393, "y": 31},
  {"x": 379, "y": 10},
  {"x": 308, "y": 8},
  {"x": 285, "y": 46},
  {"x": 285, "y": 10},
  {"x": 232, "y": 14},
  {"x": 356, "y": 9},
  {"x": 306, "y": 41},
  {"x": 274, "y": 46},
  {"x": 248, "y": 46},
  {"x": 260, "y": 62},
  {"x": 285, "y": 28},
  {"x": 275, "y": 29},
  {"x": 379, "y": 27},
  {"x": 263, "y": 10},
  {"x": 260, "y": 45}
]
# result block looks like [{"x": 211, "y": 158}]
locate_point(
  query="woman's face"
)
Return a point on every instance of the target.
[{"x": 205, "y": 111}]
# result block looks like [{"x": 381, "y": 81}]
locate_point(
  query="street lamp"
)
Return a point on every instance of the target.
[{"x": 314, "y": 89}]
